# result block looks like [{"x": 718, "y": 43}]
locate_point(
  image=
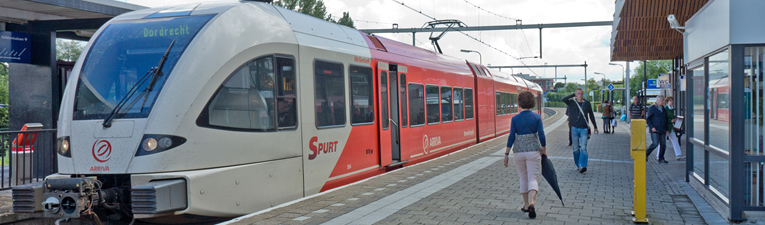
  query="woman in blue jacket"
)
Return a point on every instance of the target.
[{"x": 528, "y": 136}]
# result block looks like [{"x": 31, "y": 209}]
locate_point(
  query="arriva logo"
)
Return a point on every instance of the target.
[
  {"x": 468, "y": 133},
  {"x": 102, "y": 149},
  {"x": 325, "y": 147},
  {"x": 430, "y": 143}
]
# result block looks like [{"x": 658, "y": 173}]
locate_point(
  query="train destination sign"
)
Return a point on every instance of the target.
[{"x": 15, "y": 47}]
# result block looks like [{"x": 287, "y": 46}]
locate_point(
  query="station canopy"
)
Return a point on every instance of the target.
[
  {"x": 73, "y": 19},
  {"x": 641, "y": 30}
]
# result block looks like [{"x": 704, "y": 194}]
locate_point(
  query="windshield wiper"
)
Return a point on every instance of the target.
[{"x": 153, "y": 72}]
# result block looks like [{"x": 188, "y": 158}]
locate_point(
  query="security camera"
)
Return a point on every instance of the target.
[{"x": 673, "y": 22}]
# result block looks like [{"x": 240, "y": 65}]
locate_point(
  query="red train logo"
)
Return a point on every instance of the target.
[
  {"x": 326, "y": 147},
  {"x": 102, "y": 149}
]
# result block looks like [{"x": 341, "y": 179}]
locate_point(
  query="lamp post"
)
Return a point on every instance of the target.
[
  {"x": 480, "y": 58},
  {"x": 625, "y": 92},
  {"x": 602, "y": 82}
]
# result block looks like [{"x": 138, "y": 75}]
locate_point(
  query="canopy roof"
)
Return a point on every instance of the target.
[{"x": 641, "y": 30}]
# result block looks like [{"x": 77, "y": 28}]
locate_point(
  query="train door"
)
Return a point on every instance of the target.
[{"x": 390, "y": 141}]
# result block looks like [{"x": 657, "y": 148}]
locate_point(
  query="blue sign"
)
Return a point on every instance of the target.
[
  {"x": 15, "y": 47},
  {"x": 652, "y": 84},
  {"x": 611, "y": 87}
]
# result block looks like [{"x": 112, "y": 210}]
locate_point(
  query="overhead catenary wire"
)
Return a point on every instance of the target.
[{"x": 474, "y": 38}]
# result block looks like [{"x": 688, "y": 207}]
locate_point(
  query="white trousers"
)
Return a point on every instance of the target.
[
  {"x": 528, "y": 169},
  {"x": 675, "y": 145}
]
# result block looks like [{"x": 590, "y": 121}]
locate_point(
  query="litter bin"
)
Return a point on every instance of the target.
[
  {"x": 21, "y": 165},
  {"x": 22, "y": 154}
]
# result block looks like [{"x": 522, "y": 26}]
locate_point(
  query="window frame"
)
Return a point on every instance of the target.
[
  {"x": 350, "y": 93},
  {"x": 313, "y": 75},
  {"x": 424, "y": 103},
  {"x": 497, "y": 103},
  {"x": 439, "y": 104},
  {"x": 384, "y": 122},
  {"x": 203, "y": 119},
  {"x": 403, "y": 100},
  {"x": 451, "y": 103},
  {"x": 462, "y": 100},
  {"x": 472, "y": 105}
]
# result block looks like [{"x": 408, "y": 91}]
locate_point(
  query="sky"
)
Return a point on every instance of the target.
[{"x": 560, "y": 45}]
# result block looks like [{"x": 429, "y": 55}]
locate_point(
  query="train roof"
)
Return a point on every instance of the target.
[{"x": 502, "y": 77}]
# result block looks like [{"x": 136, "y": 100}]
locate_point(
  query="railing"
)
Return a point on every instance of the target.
[{"x": 26, "y": 156}]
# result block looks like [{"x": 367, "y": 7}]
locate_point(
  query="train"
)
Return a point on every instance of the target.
[
  {"x": 216, "y": 110},
  {"x": 719, "y": 98}
]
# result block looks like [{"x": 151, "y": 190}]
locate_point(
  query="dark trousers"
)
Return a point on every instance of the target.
[
  {"x": 569, "y": 135},
  {"x": 659, "y": 140}
]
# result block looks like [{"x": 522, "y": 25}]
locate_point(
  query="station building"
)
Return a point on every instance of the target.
[{"x": 717, "y": 80}]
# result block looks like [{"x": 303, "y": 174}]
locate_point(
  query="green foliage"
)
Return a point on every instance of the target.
[
  {"x": 559, "y": 85},
  {"x": 655, "y": 67},
  {"x": 68, "y": 50},
  {"x": 315, "y": 8},
  {"x": 3, "y": 95}
]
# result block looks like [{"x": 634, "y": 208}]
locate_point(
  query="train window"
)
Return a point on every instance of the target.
[
  {"x": 404, "y": 120},
  {"x": 432, "y": 99},
  {"x": 507, "y": 103},
  {"x": 446, "y": 104},
  {"x": 362, "y": 95},
  {"x": 468, "y": 103},
  {"x": 503, "y": 102},
  {"x": 514, "y": 103},
  {"x": 286, "y": 102},
  {"x": 384, "y": 98},
  {"x": 416, "y": 104},
  {"x": 499, "y": 103},
  {"x": 245, "y": 101},
  {"x": 459, "y": 109},
  {"x": 329, "y": 95}
]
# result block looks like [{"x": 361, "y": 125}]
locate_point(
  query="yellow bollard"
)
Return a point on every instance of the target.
[{"x": 637, "y": 147}]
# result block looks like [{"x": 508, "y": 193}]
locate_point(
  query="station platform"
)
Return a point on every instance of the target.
[{"x": 472, "y": 186}]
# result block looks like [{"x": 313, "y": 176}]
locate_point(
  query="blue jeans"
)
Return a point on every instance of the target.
[
  {"x": 659, "y": 140},
  {"x": 579, "y": 137}
]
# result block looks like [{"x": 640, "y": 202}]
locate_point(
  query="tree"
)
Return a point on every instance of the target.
[
  {"x": 315, "y": 8},
  {"x": 559, "y": 85},
  {"x": 68, "y": 50},
  {"x": 4, "y": 95},
  {"x": 655, "y": 67}
]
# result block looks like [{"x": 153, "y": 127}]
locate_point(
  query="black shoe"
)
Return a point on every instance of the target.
[
  {"x": 663, "y": 161},
  {"x": 524, "y": 210},
  {"x": 532, "y": 212},
  {"x": 569, "y": 144},
  {"x": 584, "y": 169}
]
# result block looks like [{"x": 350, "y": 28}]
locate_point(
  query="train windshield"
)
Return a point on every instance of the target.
[{"x": 123, "y": 54}]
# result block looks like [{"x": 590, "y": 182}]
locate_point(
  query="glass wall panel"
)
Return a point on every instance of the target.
[
  {"x": 698, "y": 104},
  {"x": 698, "y": 159},
  {"x": 719, "y": 174},
  {"x": 718, "y": 94},
  {"x": 753, "y": 120},
  {"x": 753, "y": 100}
]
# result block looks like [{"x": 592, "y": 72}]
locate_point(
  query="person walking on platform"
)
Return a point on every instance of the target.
[
  {"x": 528, "y": 136},
  {"x": 657, "y": 124},
  {"x": 569, "y": 128},
  {"x": 579, "y": 108},
  {"x": 637, "y": 111},
  {"x": 670, "y": 110},
  {"x": 606, "y": 117}
]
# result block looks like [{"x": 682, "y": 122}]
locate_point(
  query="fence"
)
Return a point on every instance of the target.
[{"x": 26, "y": 156}]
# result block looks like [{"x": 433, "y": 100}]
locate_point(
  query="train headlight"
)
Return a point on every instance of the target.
[
  {"x": 62, "y": 146},
  {"x": 149, "y": 144},
  {"x": 154, "y": 143}
]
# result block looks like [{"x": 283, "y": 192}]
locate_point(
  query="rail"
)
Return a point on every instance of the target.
[{"x": 26, "y": 156}]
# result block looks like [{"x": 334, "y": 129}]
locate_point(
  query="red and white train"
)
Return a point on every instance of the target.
[{"x": 223, "y": 109}]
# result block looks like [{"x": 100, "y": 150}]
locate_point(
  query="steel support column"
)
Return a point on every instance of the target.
[
  {"x": 736, "y": 135},
  {"x": 688, "y": 125}
]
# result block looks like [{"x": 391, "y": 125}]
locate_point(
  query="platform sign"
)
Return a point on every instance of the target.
[
  {"x": 682, "y": 83},
  {"x": 15, "y": 47},
  {"x": 611, "y": 87},
  {"x": 652, "y": 84},
  {"x": 663, "y": 81}
]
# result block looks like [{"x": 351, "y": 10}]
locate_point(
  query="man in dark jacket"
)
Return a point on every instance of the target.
[
  {"x": 657, "y": 124},
  {"x": 578, "y": 109}
]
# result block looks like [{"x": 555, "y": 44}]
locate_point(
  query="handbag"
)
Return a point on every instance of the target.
[
  {"x": 536, "y": 145},
  {"x": 589, "y": 132}
]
